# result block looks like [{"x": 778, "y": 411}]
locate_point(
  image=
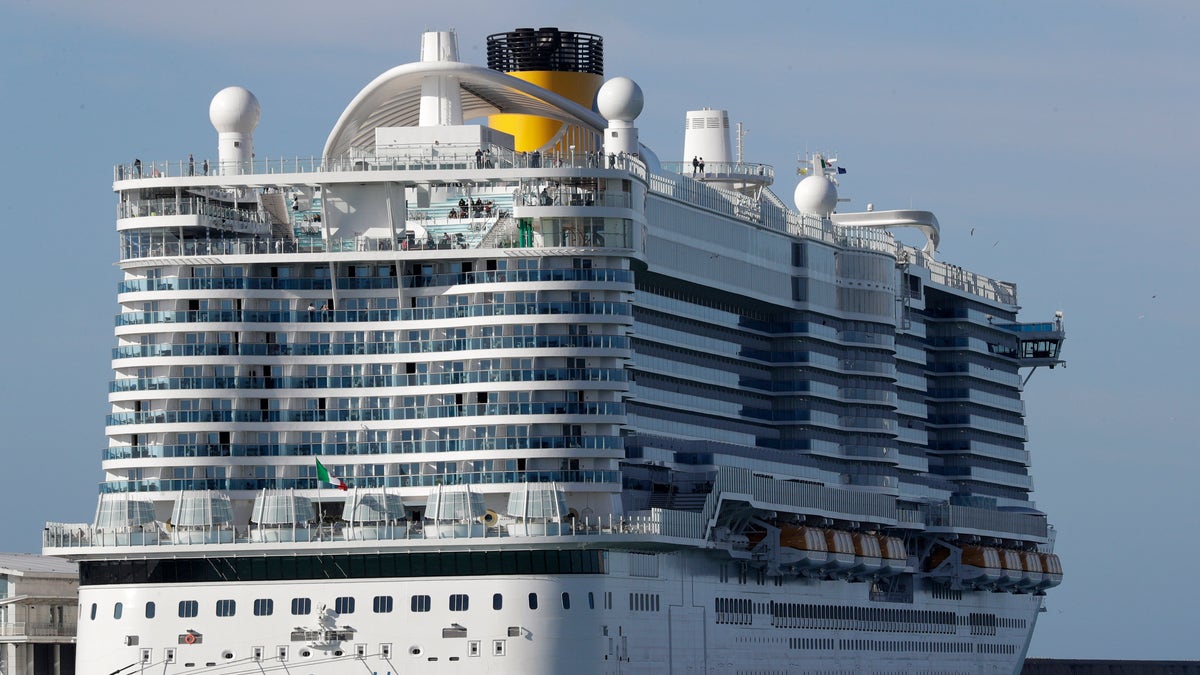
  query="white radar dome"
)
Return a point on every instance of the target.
[
  {"x": 234, "y": 110},
  {"x": 620, "y": 99},
  {"x": 815, "y": 194}
]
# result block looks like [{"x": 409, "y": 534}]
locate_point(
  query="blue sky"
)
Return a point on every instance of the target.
[{"x": 1064, "y": 134}]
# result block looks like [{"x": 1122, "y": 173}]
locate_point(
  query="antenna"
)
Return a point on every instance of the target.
[{"x": 741, "y": 131}]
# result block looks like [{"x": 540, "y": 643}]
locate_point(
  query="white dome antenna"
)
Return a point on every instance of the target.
[
  {"x": 234, "y": 113},
  {"x": 620, "y": 101},
  {"x": 817, "y": 194}
]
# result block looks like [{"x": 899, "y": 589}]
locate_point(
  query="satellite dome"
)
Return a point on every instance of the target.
[
  {"x": 816, "y": 195},
  {"x": 234, "y": 110},
  {"x": 620, "y": 99}
]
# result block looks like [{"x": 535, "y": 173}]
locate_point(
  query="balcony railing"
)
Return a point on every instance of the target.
[
  {"x": 415, "y": 158},
  {"x": 37, "y": 629},
  {"x": 608, "y": 480},
  {"x": 620, "y": 342},
  {"x": 655, "y": 522},
  {"x": 943, "y": 516},
  {"x": 597, "y": 308},
  {"x": 748, "y": 171}
]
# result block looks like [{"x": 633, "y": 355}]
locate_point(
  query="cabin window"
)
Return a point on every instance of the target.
[{"x": 421, "y": 603}]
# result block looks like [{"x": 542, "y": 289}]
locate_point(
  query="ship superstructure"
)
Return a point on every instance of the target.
[{"x": 518, "y": 395}]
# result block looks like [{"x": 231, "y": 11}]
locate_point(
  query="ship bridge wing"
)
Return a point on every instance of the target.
[{"x": 394, "y": 100}]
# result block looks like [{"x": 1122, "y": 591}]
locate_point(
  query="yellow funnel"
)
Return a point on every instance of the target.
[{"x": 534, "y": 132}]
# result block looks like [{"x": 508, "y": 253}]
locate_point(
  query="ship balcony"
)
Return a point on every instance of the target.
[
  {"x": 605, "y": 446},
  {"x": 727, "y": 172},
  {"x": 571, "y": 193},
  {"x": 968, "y": 520},
  {"x": 599, "y": 479},
  {"x": 189, "y": 214},
  {"x": 497, "y": 160},
  {"x": 617, "y": 312},
  {"x": 617, "y": 346},
  {"x": 435, "y": 234},
  {"x": 655, "y": 527},
  {"x": 978, "y": 474}
]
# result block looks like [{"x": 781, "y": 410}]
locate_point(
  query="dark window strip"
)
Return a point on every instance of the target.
[{"x": 344, "y": 566}]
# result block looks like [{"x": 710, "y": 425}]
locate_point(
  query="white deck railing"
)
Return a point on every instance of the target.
[{"x": 655, "y": 523}]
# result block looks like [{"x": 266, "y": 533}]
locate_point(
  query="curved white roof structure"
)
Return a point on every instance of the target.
[
  {"x": 394, "y": 100},
  {"x": 924, "y": 221}
]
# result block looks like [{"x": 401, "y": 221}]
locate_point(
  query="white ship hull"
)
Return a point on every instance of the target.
[{"x": 618, "y": 622}]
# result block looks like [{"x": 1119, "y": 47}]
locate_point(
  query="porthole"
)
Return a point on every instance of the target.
[
  {"x": 305, "y": 653},
  {"x": 227, "y": 655},
  {"x": 414, "y": 650},
  {"x": 338, "y": 653}
]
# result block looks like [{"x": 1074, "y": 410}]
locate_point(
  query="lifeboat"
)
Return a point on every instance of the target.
[
  {"x": 841, "y": 551},
  {"x": 805, "y": 546},
  {"x": 981, "y": 565},
  {"x": 867, "y": 554},
  {"x": 894, "y": 558},
  {"x": 1032, "y": 575},
  {"x": 1051, "y": 571},
  {"x": 1010, "y": 568},
  {"x": 936, "y": 557}
]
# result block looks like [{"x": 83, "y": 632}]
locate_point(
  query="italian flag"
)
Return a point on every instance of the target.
[{"x": 324, "y": 477}]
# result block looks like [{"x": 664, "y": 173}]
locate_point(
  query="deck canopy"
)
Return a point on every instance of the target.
[{"x": 394, "y": 100}]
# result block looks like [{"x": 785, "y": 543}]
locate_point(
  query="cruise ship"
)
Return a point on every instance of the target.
[{"x": 489, "y": 386}]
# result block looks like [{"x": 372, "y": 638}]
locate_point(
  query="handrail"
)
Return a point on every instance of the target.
[
  {"x": 417, "y": 158},
  {"x": 653, "y": 523}
]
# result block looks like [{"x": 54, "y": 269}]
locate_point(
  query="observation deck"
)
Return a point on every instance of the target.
[
  {"x": 1038, "y": 344},
  {"x": 749, "y": 173}
]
